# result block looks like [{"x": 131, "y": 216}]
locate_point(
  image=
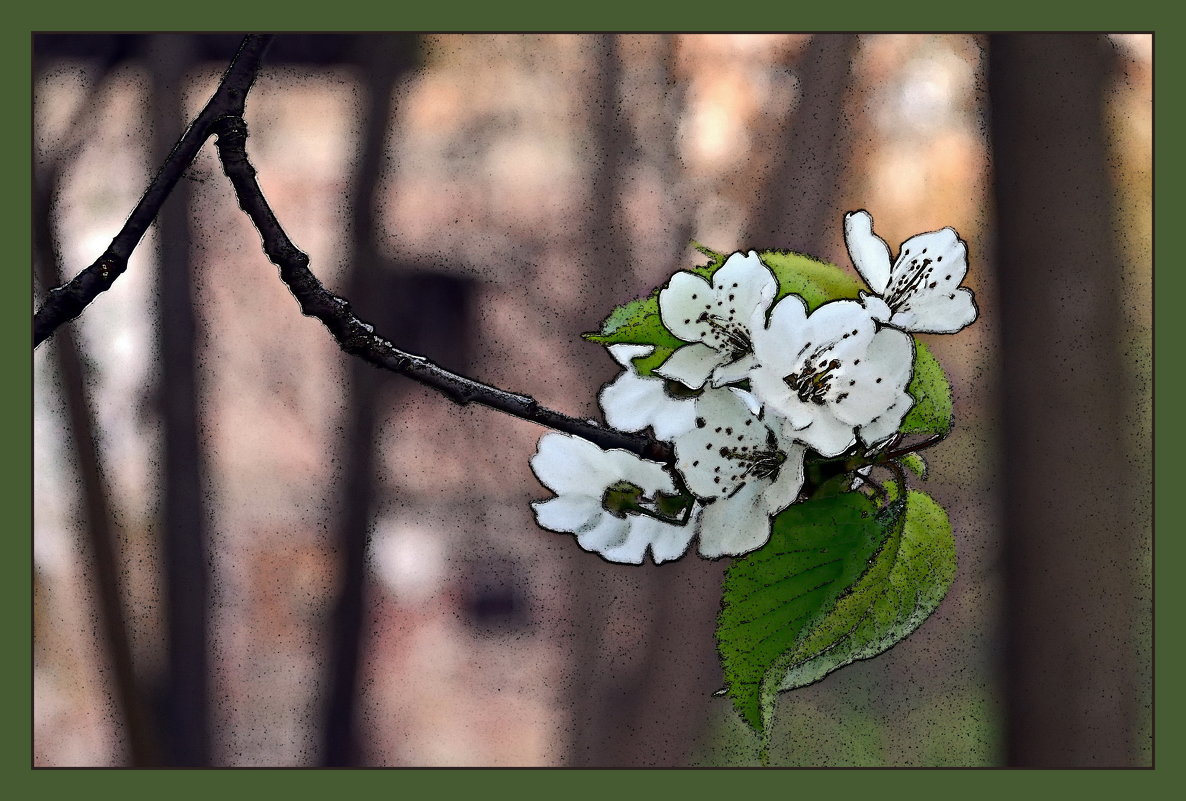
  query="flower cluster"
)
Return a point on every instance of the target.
[{"x": 757, "y": 387}]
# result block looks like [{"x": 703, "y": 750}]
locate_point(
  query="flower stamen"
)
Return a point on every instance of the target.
[
  {"x": 736, "y": 338},
  {"x": 812, "y": 386}
]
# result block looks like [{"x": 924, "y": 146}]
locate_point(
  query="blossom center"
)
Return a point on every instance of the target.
[
  {"x": 813, "y": 385},
  {"x": 729, "y": 336},
  {"x": 908, "y": 280},
  {"x": 759, "y": 464}
]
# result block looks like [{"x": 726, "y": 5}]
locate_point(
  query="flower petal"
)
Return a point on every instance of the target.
[
  {"x": 866, "y": 390},
  {"x": 734, "y": 371},
  {"x": 827, "y": 435},
  {"x": 734, "y": 526},
  {"x": 681, "y": 303},
  {"x": 781, "y": 342},
  {"x": 886, "y": 424},
  {"x": 567, "y": 464},
  {"x": 937, "y": 314},
  {"x": 625, "y": 354},
  {"x": 568, "y": 513},
  {"x": 785, "y": 489},
  {"x": 691, "y": 365},
  {"x": 924, "y": 287},
  {"x": 633, "y": 402},
  {"x": 633, "y": 549},
  {"x": 869, "y": 252},
  {"x": 877, "y": 308},
  {"x": 646, "y": 474},
  {"x": 746, "y": 284},
  {"x": 607, "y": 533},
  {"x": 668, "y": 542},
  {"x": 717, "y": 457}
]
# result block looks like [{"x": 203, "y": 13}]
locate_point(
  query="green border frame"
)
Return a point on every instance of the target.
[{"x": 1136, "y": 15}]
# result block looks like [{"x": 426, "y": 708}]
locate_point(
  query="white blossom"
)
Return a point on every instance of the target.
[
  {"x": 633, "y": 402},
  {"x": 585, "y": 479},
  {"x": 740, "y": 468},
  {"x": 921, "y": 291},
  {"x": 834, "y": 375},
  {"x": 716, "y": 317}
]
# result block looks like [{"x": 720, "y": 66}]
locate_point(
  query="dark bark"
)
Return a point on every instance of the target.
[
  {"x": 186, "y": 701},
  {"x": 66, "y": 302},
  {"x": 797, "y": 202},
  {"x": 358, "y": 338},
  {"x": 1071, "y": 549}
]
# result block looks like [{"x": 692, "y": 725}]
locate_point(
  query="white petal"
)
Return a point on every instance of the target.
[
  {"x": 709, "y": 455},
  {"x": 924, "y": 287},
  {"x": 869, "y": 253},
  {"x": 768, "y": 385},
  {"x": 691, "y": 365},
  {"x": 876, "y": 307},
  {"x": 625, "y": 354},
  {"x": 864, "y": 391},
  {"x": 746, "y": 283},
  {"x": 634, "y": 548},
  {"x": 666, "y": 541},
  {"x": 607, "y": 533},
  {"x": 734, "y": 371},
  {"x": 749, "y": 399},
  {"x": 570, "y": 513},
  {"x": 886, "y": 424},
  {"x": 681, "y": 304},
  {"x": 567, "y": 464},
  {"x": 734, "y": 526},
  {"x": 785, "y": 489},
  {"x": 827, "y": 435},
  {"x": 781, "y": 342},
  {"x": 937, "y": 314},
  {"x": 631, "y": 403},
  {"x": 644, "y": 473},
  {"x": 675, "y": 418},
  {"x": 669, "y": 542}
]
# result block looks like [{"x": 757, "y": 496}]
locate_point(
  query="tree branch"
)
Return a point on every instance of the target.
[
  {"x": 66, "y": 302},
  {"x": 358, "y": 338}
]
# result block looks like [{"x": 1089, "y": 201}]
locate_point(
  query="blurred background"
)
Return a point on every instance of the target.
[{"x": 250, "y": 550}]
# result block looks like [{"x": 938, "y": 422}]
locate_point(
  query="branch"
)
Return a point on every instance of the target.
[
  {"x": 923, "y": 444},
  {"x": 66, "y": 302},
  {"x": 358, "y": 338}
]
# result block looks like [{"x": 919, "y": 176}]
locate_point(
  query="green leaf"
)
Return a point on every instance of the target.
[
  {"x": 817, "y": 550},
  {"x": 915, "y": 464},
  {"x": 902, "y": 587},
  {"x": 890, "y": 574},
  {"x": 931, "y": 412}
]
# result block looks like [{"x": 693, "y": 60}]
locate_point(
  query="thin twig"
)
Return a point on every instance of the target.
[
  {"x": 358, "y": 338},
  {"x": 66, "y": 302},
  {"x": 923, "y": 444}
]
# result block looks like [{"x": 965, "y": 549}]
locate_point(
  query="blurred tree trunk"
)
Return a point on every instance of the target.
[
  {"x": 797, "y": 203},
  {"x": 593, "y": 718},
  {"x": 640, "y": 689},
  {"x": 185, "y": 707},
  {"x": 382, "y": 61},
  {"x": 1071, "y": 548},
  {"x": 98, "y": 518}
]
